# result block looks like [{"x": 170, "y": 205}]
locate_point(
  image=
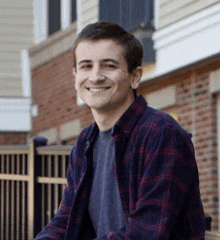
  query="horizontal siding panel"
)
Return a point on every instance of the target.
[
  {"x": 89, "y": 20},
  {"x": 10, "y": 87},
  {"x": 93, "y": 10},
  {"x": 175, "y": 6},
  {"x": 93, "y": 13},
  {"x": 11, "y": 92},
  {"x": 7, "y": 67},
  {"x": 90, "y": 11},
  {"x": 87, "y": 2},
  {"x": 10, "y": 75},
  {"x": 182, "y": 12},
  {"x": 89, "y": 5},
  {"x": 14, "y": 38},
  {"x": 11, "y": 29},
  {"x": 7, "y": 82},
  {"x": 7, "y": 56},
  {"x": 5, "y": 46},
  {"x": 17, "y": 21},
  {"x": 165, "y": 2},
  {"x": 21, "y": 4},
  {"x": 14, "y": 12}
]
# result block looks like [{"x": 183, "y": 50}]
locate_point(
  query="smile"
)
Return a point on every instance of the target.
[{"x": 97, "y": 89}]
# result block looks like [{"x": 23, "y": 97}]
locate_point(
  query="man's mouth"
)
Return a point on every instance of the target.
[{"x": 97, "y": 89}]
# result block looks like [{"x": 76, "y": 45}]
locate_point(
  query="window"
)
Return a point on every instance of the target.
[
  {"x": 134, "y": 16},
  {"x": 127, "y": 13},
  {"x": 54, "y": 23},
  {"x": 73, "y": 10},
  {"x": 51, "y": 16},
  {"x": 58, "y": 19}
]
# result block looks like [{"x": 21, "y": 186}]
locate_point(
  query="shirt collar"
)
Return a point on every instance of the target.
[{"x": 127, "y": 120}]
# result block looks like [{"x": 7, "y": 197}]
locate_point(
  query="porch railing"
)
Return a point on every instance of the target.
[{"x": 32, "y": 180}]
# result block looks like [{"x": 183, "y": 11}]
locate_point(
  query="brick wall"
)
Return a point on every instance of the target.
[
  {"x": 13, "y": 138},
  {"x": 195, "y": 110}
]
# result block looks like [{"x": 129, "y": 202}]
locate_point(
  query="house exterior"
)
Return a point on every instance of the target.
[
  {"x": 16, "y": 27},
  {"x": 182, "y": 79},
  {"x": 185, "y": 83}
]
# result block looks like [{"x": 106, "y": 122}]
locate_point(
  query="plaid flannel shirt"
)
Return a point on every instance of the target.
[{"x": 157, "y": 177}]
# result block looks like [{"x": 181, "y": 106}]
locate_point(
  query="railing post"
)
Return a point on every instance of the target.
[{"x": 33, "y": 172}]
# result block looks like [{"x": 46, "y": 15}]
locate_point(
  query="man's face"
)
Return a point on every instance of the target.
[{"x": 102, "y": 79}]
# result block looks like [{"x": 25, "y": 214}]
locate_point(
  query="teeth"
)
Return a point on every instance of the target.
[{"x": 97, "y": 89}]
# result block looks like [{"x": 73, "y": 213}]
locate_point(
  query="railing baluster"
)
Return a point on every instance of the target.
[
  {"x": 12, "y": 198},
  {"x": 31, "y": 161},
  {"x": 43, "y": 209},
  {"x": 7, "y": 206},
  {"x": 23, "y": 198},
  {"x": 63, "y": 169},
  {"x": 2, "y": 210},
  {"x": 18, "y": 211},
  {"x": 18, "y": 200},
  {"x": 49, "y": 170},
  {"x": 56, "y": 195}
]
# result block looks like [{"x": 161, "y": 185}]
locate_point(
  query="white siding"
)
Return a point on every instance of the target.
[
  {"x": 172, "y": 11},
  {"x": 187, "y": 41},
  {"x": 16, "y": 27},
  {"x": 90, "y": 9}
]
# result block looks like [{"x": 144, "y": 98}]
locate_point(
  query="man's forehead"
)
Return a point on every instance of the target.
[
  {"x": 102, "y": 49},
  {"x": 92, "y": 45}
]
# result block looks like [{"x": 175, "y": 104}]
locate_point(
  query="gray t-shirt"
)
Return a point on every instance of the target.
[{"x": 105, "y": 205}]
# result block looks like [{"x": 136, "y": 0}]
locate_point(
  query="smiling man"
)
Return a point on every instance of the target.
[
  {"x": 132, "y": 173},
  {"x": 103, "y": 81}
]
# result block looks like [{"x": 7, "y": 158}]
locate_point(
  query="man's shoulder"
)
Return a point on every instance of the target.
[
  {"x": 147, "y": 115},
  {"x": 157, "y": 121},
  {"x": 152, "y": 115}
]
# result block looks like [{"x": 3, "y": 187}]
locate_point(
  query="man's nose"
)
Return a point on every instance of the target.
[{"x": 96, "y": 74}]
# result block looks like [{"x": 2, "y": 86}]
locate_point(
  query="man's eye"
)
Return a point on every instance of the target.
[
  {"x": 86, "y": 66},
  {"x": 110, "y": 66}
]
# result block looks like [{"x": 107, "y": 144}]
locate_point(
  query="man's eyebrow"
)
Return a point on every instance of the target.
[
  {"x": 103, "y": 60},
  {"x": 110, "y": 60},
  {"x": 85, "y": 61}
]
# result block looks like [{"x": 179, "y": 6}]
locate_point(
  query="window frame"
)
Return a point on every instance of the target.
[{"x": 41, "y": 11}]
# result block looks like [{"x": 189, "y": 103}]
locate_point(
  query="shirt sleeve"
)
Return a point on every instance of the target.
[
  {"x": 168, "y": 204},
  {"x": 56, "y": 229}
]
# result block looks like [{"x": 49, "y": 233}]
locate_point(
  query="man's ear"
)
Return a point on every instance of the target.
[
  {"x": 74, "y": 72},
  {"x": 74, "y": 77},
  {"x": 136, "y": 77}
]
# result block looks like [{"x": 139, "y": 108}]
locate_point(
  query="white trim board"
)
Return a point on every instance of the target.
[
  {"x": 26, "y": 73},
  {"x": 65, "y": 13},
  {"x": 15, "y": 114},
  {"x": 79, "y": 15},
  {"x": 40, "y": 20},
  {"x": 187, "y": 41}
]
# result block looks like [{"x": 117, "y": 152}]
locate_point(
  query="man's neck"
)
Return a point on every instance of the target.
[{"x": 107, "y": 119}]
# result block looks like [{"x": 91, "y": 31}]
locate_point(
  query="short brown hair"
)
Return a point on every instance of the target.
[{"x": 133, "y": 49}]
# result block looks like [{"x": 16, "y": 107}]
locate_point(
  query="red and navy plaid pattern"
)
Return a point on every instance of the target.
[{"x": 157, "y": 176}]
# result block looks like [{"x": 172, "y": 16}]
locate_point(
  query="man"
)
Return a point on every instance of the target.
[{"x": 132, "y": 173}]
